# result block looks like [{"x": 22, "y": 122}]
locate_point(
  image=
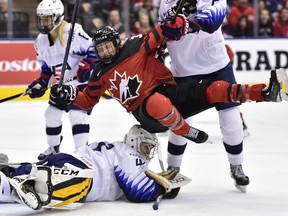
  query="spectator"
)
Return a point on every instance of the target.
[
  {"x": 142, "y": 25},
  {"x": 243, "y": 28},
  {"x": 274, "y": 6},
  {"x": 265, "y": 24},
  {"x": 3, "y": 6},
  {"x": 239, "y": 9},
  {"x": 114, "y": 21},
  {"x": 89, "y": 21},
  {"x": 3, "y": 18},
  {"x": 261, "y": 5},
  {"x": 280, "y": 26},
  {"x": 147, "y": 7},
  {"x": 20, "y": 22}
]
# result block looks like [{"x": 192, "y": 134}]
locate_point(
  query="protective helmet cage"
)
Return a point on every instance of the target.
[
  {"x": 137, "y": 137},
  {"x": 104, "y": 34},
  {"x": 53, "y": 8}
]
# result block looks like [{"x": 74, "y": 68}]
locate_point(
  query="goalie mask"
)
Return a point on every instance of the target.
[
  {"x": 106, "y": 42},
  {"x": 49, "y": 15},
  {"x": 142, "y": 141}
]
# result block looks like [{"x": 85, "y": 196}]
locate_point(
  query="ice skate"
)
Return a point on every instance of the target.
[
  {"x": 50, "y": 151},
  {"x": 241, "y": 180},
  {"x": 273, "y": 92},
  {"x": 196, "y": 135}
]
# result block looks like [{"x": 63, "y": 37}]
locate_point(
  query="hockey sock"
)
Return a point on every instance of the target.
[
  {"x": 222, "y": 91},
  {"x": 160, "y": 108}
]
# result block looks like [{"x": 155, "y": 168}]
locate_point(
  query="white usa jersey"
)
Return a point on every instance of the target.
[
  {"x": 52, "y": 55},
  {"x": 110, "y": 161},
  {"x": 197, "y": 53}
]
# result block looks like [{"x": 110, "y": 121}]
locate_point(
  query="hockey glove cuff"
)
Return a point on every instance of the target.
[{"x": 84, "y": 71}]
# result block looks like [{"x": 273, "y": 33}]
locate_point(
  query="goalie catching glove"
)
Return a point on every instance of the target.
[
  {"x": 175, "y": 29},
  {"x": 65, "y": 93},
  {"x": 170, "y": 182}
]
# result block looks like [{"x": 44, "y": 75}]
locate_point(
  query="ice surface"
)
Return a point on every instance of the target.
[{"x": 211, "y": 192}]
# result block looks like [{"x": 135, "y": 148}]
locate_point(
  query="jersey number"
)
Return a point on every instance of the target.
[{"x": 139, "y": 162}]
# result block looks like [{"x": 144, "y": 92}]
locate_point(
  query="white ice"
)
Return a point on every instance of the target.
[{"x": 211, "y": 192}]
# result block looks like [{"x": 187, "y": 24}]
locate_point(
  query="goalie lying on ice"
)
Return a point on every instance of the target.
[{"x": 102, "y": 171}]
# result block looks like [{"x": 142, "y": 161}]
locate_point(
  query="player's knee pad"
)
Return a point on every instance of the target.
[
  {"x": 231, "y": 126},
  {"x": 53, "y": 116},
  {"x": 78, "y": 117},
  {"x": 147, "y": 122}
]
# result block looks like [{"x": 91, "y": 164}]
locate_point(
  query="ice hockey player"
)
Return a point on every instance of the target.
[
  {"x": 101, "y": 171},
  {"x": 145, "y": 87},
  {"x": 50, "y": 46}
]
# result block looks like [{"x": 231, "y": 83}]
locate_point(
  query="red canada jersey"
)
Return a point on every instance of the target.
[{"x": 132, "y": 75}]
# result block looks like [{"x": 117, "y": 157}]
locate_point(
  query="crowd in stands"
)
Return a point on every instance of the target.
[
  {"x": 239, "y": 22},
  {"x": 272, "y": 18},
  {"x": 93, "y": 14}
]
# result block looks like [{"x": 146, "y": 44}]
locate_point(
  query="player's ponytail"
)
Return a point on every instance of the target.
[{"x": 60, "y": 30}]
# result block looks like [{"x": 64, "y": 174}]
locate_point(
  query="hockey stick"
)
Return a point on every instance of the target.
[
  {"x": 160, "y": 159},
  {"x": 13, "y": 97},
  {"x": 157, "y": 202},
  {"x": 65, "y": 60}
]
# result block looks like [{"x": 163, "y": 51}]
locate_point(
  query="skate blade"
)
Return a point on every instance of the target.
[{"x": 241, "y": 188}]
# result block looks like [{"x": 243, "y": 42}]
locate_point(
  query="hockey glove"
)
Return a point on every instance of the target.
[
  {"x": 65, "y": 93},
  {"x": 37, "y": 88},
  {"x": 188, "y": 7},
  {"x": 169, "y": 180},
  {"x": 84, "y": 71},
  {"x": 175, "y": 30}
]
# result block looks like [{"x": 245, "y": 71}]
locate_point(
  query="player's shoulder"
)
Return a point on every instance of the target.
[
  {"x": 80, "y": 33},
  {"x": 41, "y": 41},
  {"x": 41, "y": 38}
]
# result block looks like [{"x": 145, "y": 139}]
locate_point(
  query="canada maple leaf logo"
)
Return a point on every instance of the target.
[{"x": 124, "y": 88}]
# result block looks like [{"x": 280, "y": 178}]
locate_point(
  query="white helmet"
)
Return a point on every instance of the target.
[
  {"x": 142, "y": 141},
  {"x": 49, "y": 15}
]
